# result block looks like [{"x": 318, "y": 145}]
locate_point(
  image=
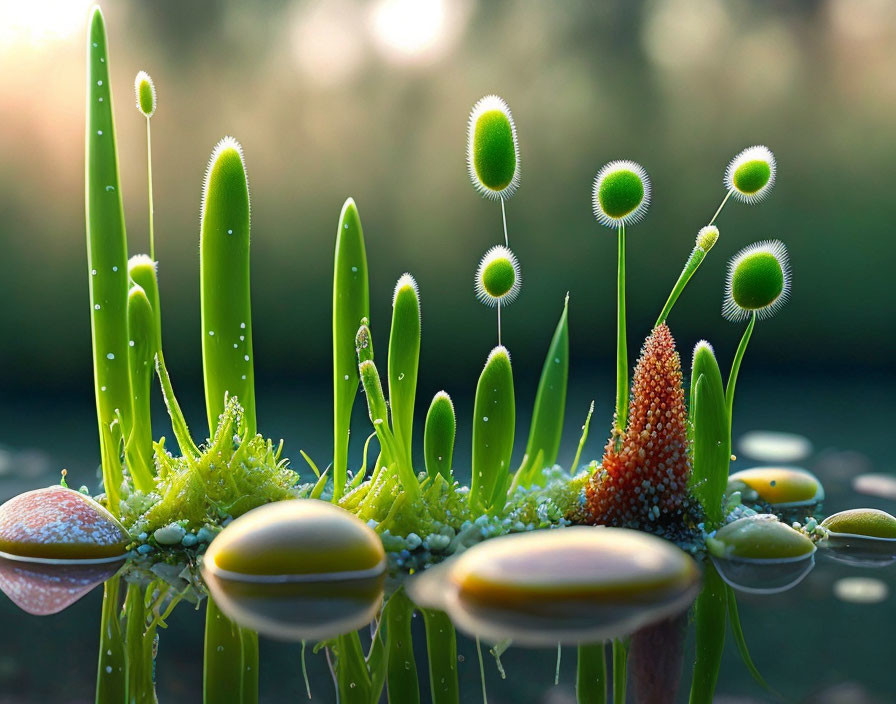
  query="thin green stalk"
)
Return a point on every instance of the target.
[
  {"x": 135, "y": 625},
  {"x": 141, "y": 354},
  {"x": 152, "y": 237},
  {"x": 481, "y": 671},
  {"x": 178, "y": 423},
  {"x": 227, "y": 363},
  {"x": 351, "y": 303},
  {"x": 223, "y": 664},
  {"x": 591, "y": 674},
  {"x": 620, "y": 671},
  {"x": 710, "y": 617},
  {"x": 741, "y": 642},
  {"x": 621, "y": 343},
  {"x": 494, "y": 420},
  {"x": 404, "y": 359},
  {"x": 735, "y": 368},
  {"x": 582, "y": 440},
  {"x": 249, "y": 644},
  {"x": 106, "y": 253},
  {"x": 111, "y": 678},
  {"x": 690, "y": 267},
  {"x": 401, "y": 676},
  {"x": 546, "y": 429},
  {"x": 441, "y": 648},
  {"x": 724, "y": 200}
]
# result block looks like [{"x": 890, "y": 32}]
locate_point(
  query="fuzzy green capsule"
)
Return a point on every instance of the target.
[
  {"x": 751, "y": 174},
  {"x": 142, "y": 349},
  {"x": 145, "y": 92},
  {"x": 710, "y": 431},
  {"x": 106, "y": 257},
  {"x": 493, "y": 158},
  {"x": 494, "y": 421},
  {"x": 224, "y": 278},
  {"x": 438, "y": 436},
  {"x": 621, "y": 193},
  {"x": 404, "y": 359},
  {"x": 550, "y": 405},
  {"x": 758, "y": 281},
  {"x": 351, "y": 304}
]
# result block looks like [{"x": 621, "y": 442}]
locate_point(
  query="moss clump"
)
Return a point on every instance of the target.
[{"x": 234, "y": 474}]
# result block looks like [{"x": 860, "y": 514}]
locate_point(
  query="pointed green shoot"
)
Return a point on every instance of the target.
[
  {"x": 144, "y": 272},
  {"x": 711, "y": 432},
  {"x": 494, "y": 420},
  {"x": 438, "y": 436},
  {"x": 142, "y": 349},
  {"x": 550, "y": 405},
  {"x": 351, "y": 303},
  {"x": 364, "y": 342},
  {"x": 227, "y": 362},
  {"x": 404, "y": 358},
  {"x": 106, "y": 250}
]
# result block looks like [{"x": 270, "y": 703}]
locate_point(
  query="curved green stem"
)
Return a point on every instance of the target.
[
  {"x": 724, "y": 200},
  {"x": 621, "y": 343},
  {"x": 735, "y": 368},
  {"x": 152, "y": 238}
]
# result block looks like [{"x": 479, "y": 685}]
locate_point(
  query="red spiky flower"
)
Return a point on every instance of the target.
[{"x": 643, "y": 479}]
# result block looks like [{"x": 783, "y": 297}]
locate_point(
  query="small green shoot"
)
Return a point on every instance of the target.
[
  {"x": 142, "y": 350},
  {"x": 438, "y": 436},
  {"x": 404, "y": 359},
  {"x": 710, "y": 432},
  {"x": 706, "y": 238}
]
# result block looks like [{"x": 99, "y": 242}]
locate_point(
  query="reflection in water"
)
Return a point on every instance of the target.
[
  {"x": 297, "y": 610},
  {"x": 43, "y": 588},
  {"x": 771, "y": 446},
  {"x": 764, "y": 576},
  {"x": 861, "y": 590}
]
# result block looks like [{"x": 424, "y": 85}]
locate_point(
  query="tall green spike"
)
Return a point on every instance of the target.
[
  {"x": 550, "y": 406},
  {"x": 106, "y": 256},
  {"x": 710, "y": 431},
  {"x": 227, "y": 361},
  {"x": 494, "y": 420},
  {"x": 404, "y": 359},
  {"x": 142, "y": 350},
  {"x": 351, "y": 303}
]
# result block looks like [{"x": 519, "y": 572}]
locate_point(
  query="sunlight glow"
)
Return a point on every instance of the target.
[
  {"x": 409, "y": 28},
  {"x": 34, "y": 22}
]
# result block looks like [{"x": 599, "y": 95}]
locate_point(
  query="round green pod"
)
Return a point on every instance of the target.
[
  {"x": 621, "y": 193},
  {"x": 760, "y": 537},
  {"x": 751, "y": 174},
  {"x": 498, "y": 278},
  {"x": 145, "y": 92},
  {"x": 867, "y": 522},
  {"x": 758, "y": 281}
]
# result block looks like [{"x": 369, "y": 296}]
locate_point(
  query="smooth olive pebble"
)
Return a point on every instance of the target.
[
  {"x": 757, "y": 281},
  {"x": 57, "y": 523},
  {"x": 297, "y": 537},
  {"x": 751, "y": 176},
  {"x": 760, "y": 537},
  {"x": 862, "y": 521},
  {"x": 620, "y": 193},
  {"x": 494, "y": 153},
  {"x": 778, "y": 485},
  {"x": 577, "y": 563},
  {"x": 498, "y": 277}
]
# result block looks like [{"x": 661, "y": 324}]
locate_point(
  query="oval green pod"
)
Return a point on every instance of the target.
[
  {"x": 777, "y": 486},
  {"x": 142, "y": 348},
  {"x": 621, "y": 193},
  {"x": 145, "y": 92},
  {"x": 710, "y": 431},
  {"x": 751, "y": 174},
  {"x": 758, "y": 281},
  {"x": 492, "y": 149},
  {"x": 404, "y": 359}
]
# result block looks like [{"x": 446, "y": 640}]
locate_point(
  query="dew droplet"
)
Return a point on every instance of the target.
[
  {"x": 93, "y": 272},
  {"x": 99, "y": 83},
  {"x": 246, "y": 357},
  {"x": 99, "y": 132},
  {"x": 110, "y": 356},
  {"x": 131, "y": 343},
  {"x": 96, "y": 307},
  {"x": 485, "y": 418}
]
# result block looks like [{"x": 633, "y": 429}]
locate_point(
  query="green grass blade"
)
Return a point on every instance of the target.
[
  {"x": 141, "y": 355},
  {"x": 178, "y": 423},
  {"x": 438, "y": 436},
  {"x": 144, "y": 272},
  {"x": 352, "y": 675},
  {"x": 404, "y": 359},
  {"x": 106, "y": 250},
  {"x": 550, "y": 405},
  {"x": 710, "y": 617},
  {"x": 740, "y": 641},
  {"x": 591, "y": 674},
  {"x": 620, "y": 671},
  {"x": 401, "y": 674},
  {"x": 351, "y": 303},
  {"x": 494, "y": 421},
  {"x": 711, "y": 432},
  {"x": 223, "y": 660},
  {"x": 586, "y": 426},
  {"x": 227, "y": 362},
  {"x": 441, "y": 648}
]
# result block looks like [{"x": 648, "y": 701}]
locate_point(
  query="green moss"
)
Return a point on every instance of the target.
[
  {"x": 231, "y": 476},
  {"x": 757, "y": 281},
  {"x": 498, "y": 277},
  {"x": 494, "y": 153},
  {"x": 620, "y": 193},
  {"x": 751, "y": 176}
]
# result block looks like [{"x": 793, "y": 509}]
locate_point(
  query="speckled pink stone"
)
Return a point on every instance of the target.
[{"x": 59, "y": 523}]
